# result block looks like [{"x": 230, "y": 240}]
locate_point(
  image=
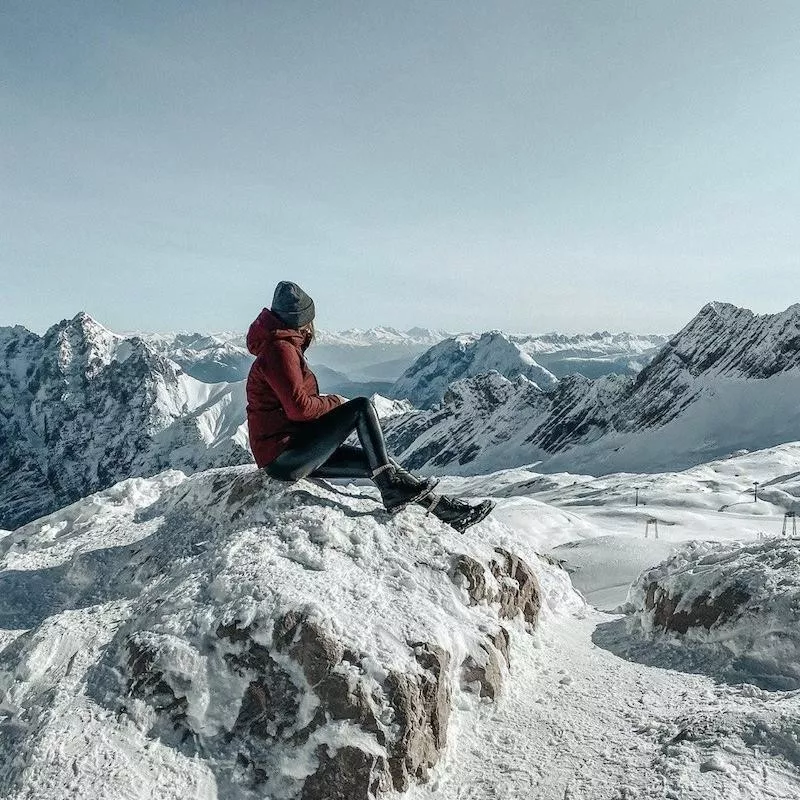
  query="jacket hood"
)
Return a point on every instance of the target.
[{"x": 268, "y": 328}]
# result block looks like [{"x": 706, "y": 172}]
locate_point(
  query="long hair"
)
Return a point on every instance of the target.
[{"x": 310, "y": 334}]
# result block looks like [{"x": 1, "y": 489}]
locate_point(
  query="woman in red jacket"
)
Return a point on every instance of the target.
[{"x": 295, "y": 432}]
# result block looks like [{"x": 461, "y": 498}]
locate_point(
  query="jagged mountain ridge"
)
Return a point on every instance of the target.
[
  {"x": 541, "y": 358},
  {"x": 426, "y": 381},
  {"x": 81, "y": 408},
  {"x": 211, "y": 358},
  {"x": 726, "y": 381}
]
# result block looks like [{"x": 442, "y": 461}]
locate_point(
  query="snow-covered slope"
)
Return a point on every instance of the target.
[
  {"x": 608, "y": 529},
  {"x": 727, "y": 381},
  {"x": 426, "y": 381},
  {"x": 81, "y": 408},
  {"x": 224, "y": 635}
]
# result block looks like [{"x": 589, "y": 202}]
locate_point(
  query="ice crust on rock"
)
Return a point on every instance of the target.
[
  {"x": 244, "y": 632},
  {"x": 739, "y": 604}
]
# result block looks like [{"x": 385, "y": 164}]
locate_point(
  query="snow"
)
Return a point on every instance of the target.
[
  {"x": 596, "y": 705},
  {"x": 162, "y": 563},
  {"x": 581, "y": 723}
]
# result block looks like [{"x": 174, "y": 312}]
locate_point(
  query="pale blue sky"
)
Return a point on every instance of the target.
[{"x": 521, "y": 165}]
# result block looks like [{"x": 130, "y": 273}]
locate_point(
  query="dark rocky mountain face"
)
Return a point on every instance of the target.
[
  {"x": 81, "y": 409},
  {"x": 728, "y": 380}
]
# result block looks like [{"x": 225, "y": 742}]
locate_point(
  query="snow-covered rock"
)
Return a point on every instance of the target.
[
  {"x": 81, "y": 408},
  {"x": 386, "y": 407},
  {"x": 728, "y": 381},
  {"x": 738, "y": 604},
  {"x": 207, "y": 636},
  {"x": 425, "y": 382}
]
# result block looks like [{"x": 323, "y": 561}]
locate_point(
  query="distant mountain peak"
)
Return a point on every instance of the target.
[{"x": 727, "y": 381}]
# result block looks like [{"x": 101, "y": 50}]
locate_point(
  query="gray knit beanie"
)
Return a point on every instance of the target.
[{"x": 292, "y": 305}]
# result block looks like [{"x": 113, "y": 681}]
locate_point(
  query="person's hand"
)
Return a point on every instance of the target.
[{"x": 341, "y": 399}]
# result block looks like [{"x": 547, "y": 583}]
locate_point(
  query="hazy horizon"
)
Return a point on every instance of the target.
[{"x": 524, "y": 166}]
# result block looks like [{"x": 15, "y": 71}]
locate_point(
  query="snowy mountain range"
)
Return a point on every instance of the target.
[
  {"x": 542, "y": 359},
  {"x": 81, "y": 408},
  {"x": 426, "y": 381},
  {"x": 212, "y": 358},
  {"x": 729, "y": 380},
  {"x": 371, "y": 359}
]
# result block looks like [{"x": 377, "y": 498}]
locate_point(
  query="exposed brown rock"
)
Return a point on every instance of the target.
[
  {"x": 518, "y": 590},
  {"x": 705, "y": 611},
  {"x": 485, "y": 671},
  {"x": 421, "y": 704},
  {"x": 350, "y": 774},
  {"x": 475, "y": 574}
]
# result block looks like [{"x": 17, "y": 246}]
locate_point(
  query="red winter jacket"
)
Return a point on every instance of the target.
[{"x": 282, "y": 391}]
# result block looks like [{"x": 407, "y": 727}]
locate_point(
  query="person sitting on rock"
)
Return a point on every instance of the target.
[{"x": 295, "y": 432}]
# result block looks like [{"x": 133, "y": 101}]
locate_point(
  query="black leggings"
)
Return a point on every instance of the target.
[{"x": 316, "y": 449}]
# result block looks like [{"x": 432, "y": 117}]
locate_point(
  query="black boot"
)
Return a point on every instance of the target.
[
  {"x": 398, "y": 487},
  {"x": 456, "y": 513}
]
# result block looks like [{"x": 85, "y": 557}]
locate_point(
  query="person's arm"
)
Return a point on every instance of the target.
[{"x": 285, "y": 376}]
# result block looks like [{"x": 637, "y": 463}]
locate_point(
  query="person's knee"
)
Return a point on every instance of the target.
[{"x": 360, "y": 403}]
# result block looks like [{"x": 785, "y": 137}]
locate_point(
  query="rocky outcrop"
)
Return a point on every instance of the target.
[
  {"x": 737, "y": 606},
  {"x": 286, "y": 639},
  {"x": 404, "y": 716},
  {"x": 673, "y": 613}
]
